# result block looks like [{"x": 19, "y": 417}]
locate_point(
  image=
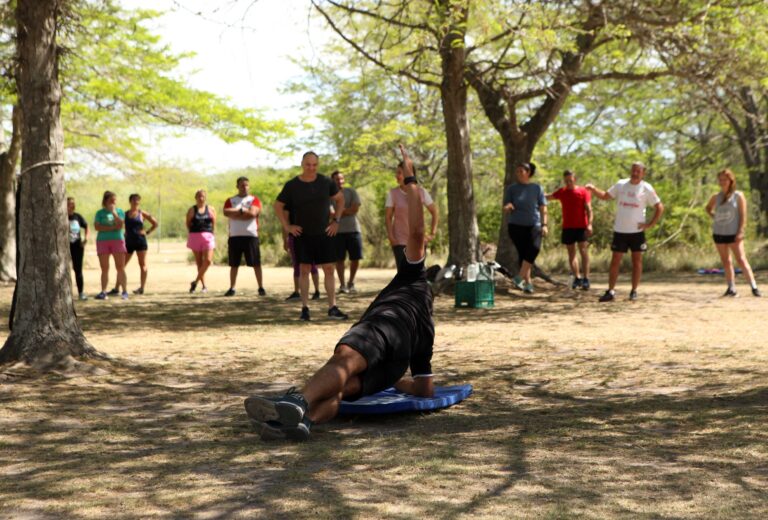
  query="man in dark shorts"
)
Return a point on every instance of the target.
[
  {"x": 632, "y": 196},
  {"x": 309, "y": 197},
  {"x": 577, "y": 226},
  {"x": 349, "y": 240},
  {"x": 243, "y": 211},
  {"x": 395, "y": 333}
]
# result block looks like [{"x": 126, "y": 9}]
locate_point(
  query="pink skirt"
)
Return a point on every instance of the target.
[{"x": 204, "y": 241}]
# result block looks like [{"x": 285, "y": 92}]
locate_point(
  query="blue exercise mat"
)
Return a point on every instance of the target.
[
  {"x": 393, "y": 401},
  {"x": 717, "y": 271}
]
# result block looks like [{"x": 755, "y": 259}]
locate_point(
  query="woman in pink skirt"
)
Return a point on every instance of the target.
[{"x": 201, "y": 221}]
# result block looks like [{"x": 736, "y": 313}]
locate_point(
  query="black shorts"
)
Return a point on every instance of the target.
[
  {"x": 724, "y": 239},
  {"x": 349, "y": 243},
  {"x": 248, "y": 246},
  {"x": 399, "y": 252},
  {"x": 134, "y": 244},
  {"x": 527, "y": 240},
  {"x": 572, "y": 235},
  {"x": 315, "y": 249},
  {"x": 622, "y": 242}
]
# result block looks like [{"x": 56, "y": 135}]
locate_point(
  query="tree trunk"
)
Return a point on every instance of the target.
[
  {"x": 8, "y": 161},
  {"x": 463, "y": 232},
  {"x": 45, "y": 329}
]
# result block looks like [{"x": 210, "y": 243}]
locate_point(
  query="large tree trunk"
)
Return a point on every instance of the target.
[
  {"x": 753, "y": 140},
  {"x": 8, "y": 161},
  {"x": 45, "y": 329},
  {"x": 463, "y": 232}
]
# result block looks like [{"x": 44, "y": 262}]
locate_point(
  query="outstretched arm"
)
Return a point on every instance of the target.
[
  {"x": 414, "y": 248},
  {"x": 597, "y": 192}
]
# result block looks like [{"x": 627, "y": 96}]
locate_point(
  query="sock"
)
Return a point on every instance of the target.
[
  {"x": 753, "y": 284},
  {"x": 611, "y": 291},
  {"x": 732, "y": 286}
]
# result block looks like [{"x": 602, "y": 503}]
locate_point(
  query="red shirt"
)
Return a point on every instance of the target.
[{"x": 574, "y": 211}]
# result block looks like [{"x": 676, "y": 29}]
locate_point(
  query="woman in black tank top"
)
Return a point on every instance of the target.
[
  {"x": 201, "y": 223},
  {"x": 136, "y": 238}
]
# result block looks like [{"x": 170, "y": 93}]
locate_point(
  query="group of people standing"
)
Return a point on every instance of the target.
[{"x": 525, "y": 205}]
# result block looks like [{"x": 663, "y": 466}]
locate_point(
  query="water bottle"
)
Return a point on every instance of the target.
[{"x": 472, "y": 272}]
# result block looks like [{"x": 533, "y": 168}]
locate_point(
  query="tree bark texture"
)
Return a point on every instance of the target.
[
  {"x": 45, "y": 329},
  {"x": 463, "y": 232},
  {"x": 8, "y": 161}
]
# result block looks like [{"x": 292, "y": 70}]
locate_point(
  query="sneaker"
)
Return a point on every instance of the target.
[
  {"x": 528, "y": 288},
  {"x": 82, "y": 297},
  {"x": 192, "y": 287},
  {"x": 204, "y": 289},
  {"x": 316, "y": 295},
  {"x": 230, "y": 292},
  {"x": 273, "y": 431},
  {"x": 304, "y": 314},
  {"x": 101, "y": 296},
  {"x": 609, "y": 296},
  {"x": 343, "y": 289},
  {"x": 585, "y": 284},
  {"x": 114, "y": 292},
  {"x": 517, "y": 282},
  {"x": 576, "y": 284},
  {"x": 335, "y": 313},
  {"x": 294, "y": 296},
  {"x": 138, "y": 291},
  {"x": 730, "y": 291},
  {"x": 124, "y": 296},
  {"x": 633, "y": 295},
  {"x": 262, "y": 292},
  {"x": 286, "y": 411},
  {"x": 351, "y": 288},
  {"x": 756, "y": 292}
]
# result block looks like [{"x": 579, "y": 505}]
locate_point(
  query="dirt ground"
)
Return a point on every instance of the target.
[{"x": 652, "y": 409}]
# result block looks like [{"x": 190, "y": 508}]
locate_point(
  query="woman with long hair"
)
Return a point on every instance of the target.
[
  {"x": 201, "y": 223},
  {"x": 728, "y": 210},
  {"x": 136, "y": 238}
]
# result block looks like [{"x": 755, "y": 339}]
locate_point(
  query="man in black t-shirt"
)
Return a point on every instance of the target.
[
  {"x": 395, "y": 333},
  {"x": 77, "y": 244},
  {"x": 309, "y": 198}
]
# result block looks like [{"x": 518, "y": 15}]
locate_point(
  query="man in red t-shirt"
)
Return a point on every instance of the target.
[{"x": 577, "y": 225}]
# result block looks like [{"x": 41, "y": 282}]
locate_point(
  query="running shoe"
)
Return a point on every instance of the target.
[
  {"x": 335, "y": 313},
  {"x": 528, "y": 288},
  {"x": 633, "y": 295},
  {"x": 294, "y": 296},
  {"x": 756, "y": 292},
  {"x": 351, "y": 288},
  {"x": 114, "y": 292},
  {"x": 101, "y": 296},
  {"x": 192, "y": 287},
  {"x": 204, "y": 289},
  {"x": 124, "y": 296},
  {"x": 285, "y": 411},
  {"x": 262, "y": 292},
  {"x": 273, "y": 431},
  {"x": 730, "y": 291},
  {"x": 576, "y": 283},
  {"x": 607, "y": 297},
  {"x": 138, "y": 291},
  {"x": 82, "y": 297},
  {"x": 230, "y": 292},
  {"x": 343, "y": 289},
  {"x": 316, "y": 296},
  {"x": 517, "y": 282},
  {"x": 585, "y": 284},
  {"x": 304, "y": 314}
]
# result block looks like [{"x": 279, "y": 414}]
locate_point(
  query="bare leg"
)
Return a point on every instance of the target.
[
  {"x": 325, "y": 389},
  {"x": 572, "y": 260},
  {"x": 725, "y": 258},
  {"x": 613, "y": 274},
  {"x": 233, "y": 276},
  {"x": 637, "y": 268},
  {"x": 304, "y": 270},
  {"x": 353, "y": 266},
  {"x": 584, "y": 251},
  {"x": 122, "y": 278},
  {"x": 525, "y": 271},
  {"x": 340, "y": 272},
  {"x": 259, "y": 279},
  {"x": 104, "y": 264},
  {"x": 127, "y": 258},
  {"x": 296, "y": 283},
  {"x": 141, "y": 256},
  {"x": 316, "y": 281},
  {"x": 741, "y": 258},
  {"x": 330, "y": 284},
  {"x": 198, "y": 262}
]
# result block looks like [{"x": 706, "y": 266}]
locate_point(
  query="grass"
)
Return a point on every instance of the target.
[{"x": 657, "y": 409}]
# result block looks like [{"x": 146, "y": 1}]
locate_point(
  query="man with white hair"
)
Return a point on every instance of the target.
[{"x": 632, "y": 196}]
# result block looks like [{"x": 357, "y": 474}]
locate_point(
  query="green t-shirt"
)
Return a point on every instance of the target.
[{"x": 106, "y": 218}]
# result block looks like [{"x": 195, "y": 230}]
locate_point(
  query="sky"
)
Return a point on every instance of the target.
[{"x": 242, "y": 50}]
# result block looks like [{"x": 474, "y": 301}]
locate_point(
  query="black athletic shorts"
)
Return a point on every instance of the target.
[
  {"x": 136, "y": 244},
  {"x": 248, "y": 246},
  {"x": 572, "y": 235},
  {"x": 527, "y": 240},
  {"x": 315, "y": 249},
  {"x": 349, "y": 243},
  {"x": 724, "y": 239},
  {"x": 399, "y": 252},
  {"x": 623, "y": 242}
]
